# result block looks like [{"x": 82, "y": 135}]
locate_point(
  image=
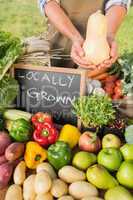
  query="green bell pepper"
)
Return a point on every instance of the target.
[
  {"x": 20, "y": 130},
  {"x": 59, "y": 154}
]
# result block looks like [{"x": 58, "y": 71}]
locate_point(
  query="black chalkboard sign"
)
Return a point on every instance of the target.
[{"x": 49, "y": 89}]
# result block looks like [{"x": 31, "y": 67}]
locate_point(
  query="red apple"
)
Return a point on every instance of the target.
[{"x": 90, "y": 142}]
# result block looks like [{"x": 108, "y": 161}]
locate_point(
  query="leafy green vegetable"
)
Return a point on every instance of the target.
[
  {"x": 94, "y": 110},
  {"x": 8, "y": 91},
  {"x": 10, "y": 50},
  {"x": 127, "y": 74}
]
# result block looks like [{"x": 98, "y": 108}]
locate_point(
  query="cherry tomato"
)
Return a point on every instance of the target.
[
  {"x": 118, "y": 83},
  {"x": 118, "y": 91}
]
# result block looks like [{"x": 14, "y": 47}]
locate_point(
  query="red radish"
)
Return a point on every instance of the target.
[{"x": 90, "y": 142}]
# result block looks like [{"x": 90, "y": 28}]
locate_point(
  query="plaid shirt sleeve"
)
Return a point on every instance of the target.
[
  {"x": 125, "y": 3},
  {"x": 42, "y": 4}
]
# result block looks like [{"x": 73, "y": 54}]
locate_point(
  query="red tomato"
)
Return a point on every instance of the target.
[
  {"x": 118, "y": 91},
  {"x": 111, "y": 78},
  {"x": 118, "y": 83},
  {"x": 110, "y": 84},
  {"x": 89, "y": 141},
  {"x": 116, "y": 97},
  {"x": 109, "y": 90}
]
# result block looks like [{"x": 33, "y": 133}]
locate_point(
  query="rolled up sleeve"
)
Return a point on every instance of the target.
[
  {"x": 42, "y": 4},
  {"x": 124, "y": 3}
]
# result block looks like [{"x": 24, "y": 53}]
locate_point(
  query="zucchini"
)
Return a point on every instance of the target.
[{"x": 13, "y": 114}]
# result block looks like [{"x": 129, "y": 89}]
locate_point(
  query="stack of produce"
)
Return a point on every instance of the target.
[
  {"x": 109, "y": 81},
  {"x": 40, "y": 162}
]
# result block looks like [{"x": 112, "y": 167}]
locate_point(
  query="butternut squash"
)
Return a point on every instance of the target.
[{"x": 96, "y": 47}]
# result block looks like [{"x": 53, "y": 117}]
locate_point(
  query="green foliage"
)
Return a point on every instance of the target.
[
  {"x": 126, "y": 63},
  {"x": 10, "y": 50},
  {"x": 94, "y": 110},
  {"x": 8, "y": 91},
  {"x": 21, "y": 18},
  {"x": 125, "y": 34}
]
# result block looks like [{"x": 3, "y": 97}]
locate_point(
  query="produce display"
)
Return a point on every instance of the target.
[
  {"x": 40, "y": 160},
  {"x": 65, "y": 163}
]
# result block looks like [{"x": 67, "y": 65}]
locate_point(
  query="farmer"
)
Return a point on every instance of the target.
[{"x": 67, "y": 29}]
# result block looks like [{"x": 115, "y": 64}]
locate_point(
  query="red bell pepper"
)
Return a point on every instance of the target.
[
  {"x": 40, "y": 118},
  {"x": 45, "y": 134}
]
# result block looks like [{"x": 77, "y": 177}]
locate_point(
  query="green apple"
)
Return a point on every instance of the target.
[
  {"x": 127, "y": 151},
  {"x": 110, "y": 158},
  {"x": 118, "y": 193},
  {"x": 82, "y": 160},
  {"x": 125, "y": 174},
  {"x": 111, "y": 140}
]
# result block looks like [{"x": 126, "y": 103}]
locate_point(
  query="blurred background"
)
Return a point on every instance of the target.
[{"x": 23, "y": 19}]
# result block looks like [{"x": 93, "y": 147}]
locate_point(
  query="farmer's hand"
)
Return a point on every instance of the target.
[
  {"x": 77, "y": 54},
  {"x": 113, "y": 53}
]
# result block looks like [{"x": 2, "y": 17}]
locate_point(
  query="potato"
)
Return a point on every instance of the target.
[
  {"x": 92, "y": 198},
  {"x": 70, "y": 174},
  {"x": 4, "y": 142},
  {"x": 67, "y": 197},
  {"x": 3, "y": 193},
  {"x": 20, "y": 173},
  {"x": 2, "y": 159},
  {"x": 6, "y": 170},
  {"x": 59, "y": 188},
  {"x": 43, "y": 182},
  {"x": 82, "y": 189},
  {"x": 46, "y": 196},
  {"x": 46, "y": 166},
  {"x": 14, "y": 151},
  {"x": 28, "y": 188},
  {"x": 14, "y": 192}
]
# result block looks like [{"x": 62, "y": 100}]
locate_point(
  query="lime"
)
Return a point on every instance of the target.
[{"x": 82, "y": 160}]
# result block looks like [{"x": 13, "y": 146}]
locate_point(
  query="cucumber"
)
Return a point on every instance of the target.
[{"x": 13, "y": 114}]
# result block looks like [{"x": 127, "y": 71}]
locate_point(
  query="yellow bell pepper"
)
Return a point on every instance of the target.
[
  {"x": 34, "y": 155},
  {"x": 70, "y": 134}
]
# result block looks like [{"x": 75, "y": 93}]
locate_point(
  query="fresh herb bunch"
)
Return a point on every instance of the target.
[
  {"x": 127, "y": 74},
  {"x": 8, "y": 91},
  {"x": 10, "y": 50},
  {"x": 94, "y": 110}
]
